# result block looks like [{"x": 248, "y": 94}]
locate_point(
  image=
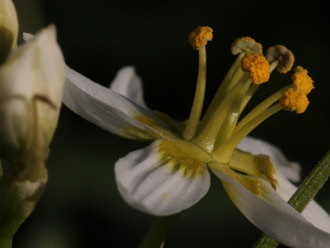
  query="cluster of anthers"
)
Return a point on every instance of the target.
[{"x": 221, "y": 128}]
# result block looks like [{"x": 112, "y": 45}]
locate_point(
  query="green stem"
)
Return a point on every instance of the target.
[
  {"x": 306, "y": 192},
  {"x": 158, "y": 232},
  {"x": 6, "y": 242}
]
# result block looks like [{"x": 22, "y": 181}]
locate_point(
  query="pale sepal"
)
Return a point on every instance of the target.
[
  {"x": 147, "y": 181},
  {"x": 313, "y": 212},
  {"x": 287, "y": 170},
  {"x": 272, "y": 215},
  {"x": 255, "y": 146}
]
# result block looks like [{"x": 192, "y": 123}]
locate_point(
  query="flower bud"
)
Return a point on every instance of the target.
[{"x": 31, "y": 84}]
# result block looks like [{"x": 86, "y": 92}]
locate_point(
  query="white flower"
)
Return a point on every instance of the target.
[{"x": 173, "y": 172}]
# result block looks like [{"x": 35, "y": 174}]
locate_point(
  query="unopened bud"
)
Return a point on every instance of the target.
[{"x": 31, "y": 84}]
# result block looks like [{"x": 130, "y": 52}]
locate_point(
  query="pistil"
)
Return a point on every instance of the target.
[
  {"x": 239, "y": 47},
  {"x": 207, "y": 135},
  {"x": 224, "y": 152},
  {"x": 290, "y": 98},
  {"x": 232, "y": 77}
]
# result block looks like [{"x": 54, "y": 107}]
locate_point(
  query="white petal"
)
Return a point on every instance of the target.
[
  {"x": 313, "y": 212},
  {"x": 255, "y": 146},
  {"x": 147, "y": 181},
  {"x": 106, "y": 108},
  {"x": 129, "y": 84},
  {"x": 274, "y": 216}
]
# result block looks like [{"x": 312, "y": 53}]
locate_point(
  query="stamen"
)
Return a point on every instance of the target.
[
  {"x": 200, "y": 36},
  {"x": 294, "y": 100},
  {"x": 251, "y": 183},
  {"x": 302, "y": 81},
  {"x": 208, "y": 133},
  {"x": 234, "y": 112},
  {"x": 261, "y": 107},
  {"x": 224, "y": 152},
  {"x": 198, "y": 39},
  {"x": 254, "y": 165},
  {"x": 257, "y": 66},
  {"x": 240, "y": 46},
  {"x": 291, "y": 99},
  {"x": 246, "y": 44},
  {"x": 281, "y": 58},
  {"x": 249, "y": 94},
  {"x": 232, "y": 77}
]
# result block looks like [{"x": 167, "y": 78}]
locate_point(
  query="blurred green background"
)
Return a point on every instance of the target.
[{"x": 81, "y": 207}]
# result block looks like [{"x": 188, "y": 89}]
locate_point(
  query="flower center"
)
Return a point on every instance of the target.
[
  {"x": 222, "y": 127},
  {"x": 184, "y": 157}
]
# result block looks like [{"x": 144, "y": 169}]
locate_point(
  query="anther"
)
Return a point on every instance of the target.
[
  {"x": 200, "y": 36},
  {"x": 302, "y": 81},
  {"x": 282, "y": 56},
  {"x": 246, "y": 44},
  {"x": 257, "y": 66},
  {"x": 294, "y": 100}
]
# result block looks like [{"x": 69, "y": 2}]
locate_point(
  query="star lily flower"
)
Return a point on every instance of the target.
[{"x": 173, "y": 172}]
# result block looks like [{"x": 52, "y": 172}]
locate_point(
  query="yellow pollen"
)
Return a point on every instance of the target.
[
  {"x": 257, "y": 66},
  {"x": 294, "y": 100},
  {"x": 200, "y": 36},
  {"x": 246, "y": 44},
  {"x": 302, "y": 81}
]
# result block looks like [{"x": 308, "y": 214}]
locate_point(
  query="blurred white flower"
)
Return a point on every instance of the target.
[{"x": 31, "y": 85}]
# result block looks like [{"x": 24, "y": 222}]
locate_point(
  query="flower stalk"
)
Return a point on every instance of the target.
[
  {"x": 158, "y": 231},
  {"x": 6, "y": 242},
  {"x": 304, "y": 194}
]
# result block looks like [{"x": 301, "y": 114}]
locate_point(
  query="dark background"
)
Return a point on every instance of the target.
[{"x": 81, "y": 206}]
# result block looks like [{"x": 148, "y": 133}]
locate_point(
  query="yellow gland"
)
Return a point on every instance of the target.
[
  {"x": 294, "y": 100},
  {"x": 302, "y": 81},
  {"x": 184, "y": 156},
  {"x": 200, "y": 36},
  {"x": 257, "y": 66}
]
